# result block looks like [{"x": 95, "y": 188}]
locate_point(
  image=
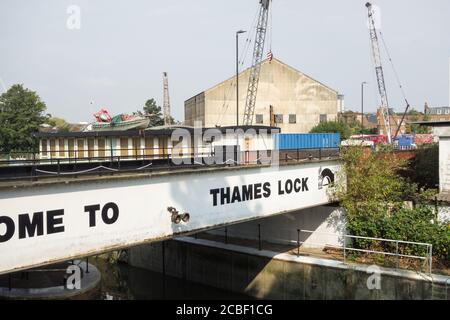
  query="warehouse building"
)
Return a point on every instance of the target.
[{"x": 287, "y": 98}]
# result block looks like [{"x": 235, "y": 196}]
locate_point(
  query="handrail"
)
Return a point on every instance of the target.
[
  {"x": 429, "y": 247},
  {"x": 116, "y": 163}
]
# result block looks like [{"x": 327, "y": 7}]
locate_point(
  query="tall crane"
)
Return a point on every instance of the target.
[
  {"x": 258, "y": 50},
  {"x": 384, "y": 108},
  {"x": 166, "y": 103}
]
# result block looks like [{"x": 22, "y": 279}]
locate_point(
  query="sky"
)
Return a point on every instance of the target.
[{"x": 115, "y": 59}]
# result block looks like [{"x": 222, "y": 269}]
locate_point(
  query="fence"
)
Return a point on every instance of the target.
[
  {"x": 345, "y": 247},
  {"x": 34, "y": 166}
]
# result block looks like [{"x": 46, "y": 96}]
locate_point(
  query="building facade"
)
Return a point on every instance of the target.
[
  {"x": 287, "y": 98},
  {"x": 437, "y": 113}
]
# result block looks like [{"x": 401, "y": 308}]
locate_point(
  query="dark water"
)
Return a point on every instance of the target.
[{"x": 121, "y": 281}]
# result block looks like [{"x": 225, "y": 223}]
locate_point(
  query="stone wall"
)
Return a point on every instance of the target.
[{"x": 272, "y": 277}]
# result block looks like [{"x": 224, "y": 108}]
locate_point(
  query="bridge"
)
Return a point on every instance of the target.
[{"x": 50, "y": 220}]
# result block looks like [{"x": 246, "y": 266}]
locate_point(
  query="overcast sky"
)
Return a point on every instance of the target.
[{"x": 117, "y": 57}]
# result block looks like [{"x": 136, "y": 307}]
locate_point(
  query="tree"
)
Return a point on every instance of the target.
[
  {"x": 60, "y": 124},
  {"x": 415, "y": 128},
  {"x": 333, "y": 127},
  {"x": 152, "y": 110},
  {"x": 21, "y": 114}
]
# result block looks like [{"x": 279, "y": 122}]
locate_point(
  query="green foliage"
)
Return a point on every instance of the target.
[
  {"x": 60, "y": 124},
  {"x": 333, "y": 127},
  {"x": 152, "y": 110},
  {"x": 359, "y": 130},
  {"x": 426, "y": 166},
  {"x": 21, "y": 114},
  {"x": 415, "y": 128},
  {"x": 374, "y": 198}
]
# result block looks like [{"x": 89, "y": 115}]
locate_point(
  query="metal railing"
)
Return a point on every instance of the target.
[
  {"x": 132, "y": 159},
  {"x": 345, "y": 239},
  {"x": 428, "y": 258}
]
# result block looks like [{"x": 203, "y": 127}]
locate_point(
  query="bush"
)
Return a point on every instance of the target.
[
  {"x": 333, "y": 127},
  {"x": 374, "y": 196}
]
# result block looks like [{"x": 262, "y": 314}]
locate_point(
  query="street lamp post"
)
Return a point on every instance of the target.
[
  {"x": 362, "y": 106},
  {"x": 237, "y": 75}
]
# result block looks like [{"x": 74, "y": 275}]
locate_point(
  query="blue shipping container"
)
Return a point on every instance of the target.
[
  {"x": 405, "y": 141},
  {"x": 293, "y": 141}
]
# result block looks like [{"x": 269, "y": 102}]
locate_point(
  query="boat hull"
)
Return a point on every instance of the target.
[{"x": 121, "y": 126}]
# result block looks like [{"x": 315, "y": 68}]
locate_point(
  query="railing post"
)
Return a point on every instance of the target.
[
  {"x": 59, "y": 167},
  {"x": 226, "y": 235},
  {"x": 396, "y": 254},
  {"x": 298, "y": 242},
  {"x": 87, "y": 264},
  {"x": 345, "y": 245},
  {"x": 320, "y": 153},
  {"x": 430, "y": 257}
]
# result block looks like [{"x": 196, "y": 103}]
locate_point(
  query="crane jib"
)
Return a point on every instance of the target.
[{"x": 258, "y": 52}]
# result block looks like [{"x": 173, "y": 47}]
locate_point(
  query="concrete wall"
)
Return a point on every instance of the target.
[
  {"x": 273, "y": 278},
  {"x": 444, "y": 164},
  {"x": 194, "y": 109},
  {"x": 282, "y": 229},
  {"x": 286, "y": 89}
]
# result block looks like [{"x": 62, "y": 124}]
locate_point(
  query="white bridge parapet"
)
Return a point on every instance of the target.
[{"x": 51, "y": 222}]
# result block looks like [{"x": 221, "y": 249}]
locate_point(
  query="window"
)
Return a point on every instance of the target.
[
  {"x": 62, "y": 148},
  {"x": 44, "y": 147},
  {"x": 80, "y": 146},
  {"x": 292, "y": 118},
  {"x": 101, "y": 143},
  {"x": 91, "y": 147},
  {"x": 149, "y": 151},
  {"x": 53, "y": 148},
  {"x": 259, "y": 119},
  {"x": 71, "y": 147},
  {"x": 323, "y": 118},
  {"x": 123, "y": 147},
  {"x": 136, "y": 146},
  {"x": 278, "y": 118}
]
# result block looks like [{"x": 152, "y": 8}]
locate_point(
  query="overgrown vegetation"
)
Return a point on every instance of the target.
[
  {"x": 344, "y": 129},
  {"x": 374, "y": 198},
  {"x": 333, "y": 127},
  {"x": 414, "y": 116}
]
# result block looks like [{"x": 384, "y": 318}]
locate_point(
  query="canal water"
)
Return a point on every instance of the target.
[{"x": 123, "y": 282}]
